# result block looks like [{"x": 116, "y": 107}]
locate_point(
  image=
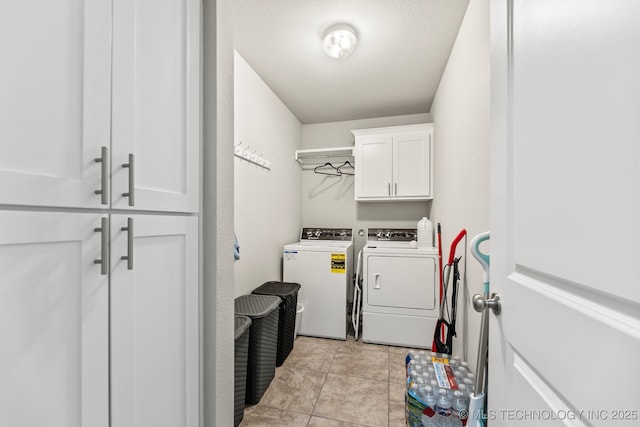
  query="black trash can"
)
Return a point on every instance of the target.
[
  {"x": 263, "y": 341},
  {"x": 241, "y": 351},
  {"x": 288, "y": 293}
]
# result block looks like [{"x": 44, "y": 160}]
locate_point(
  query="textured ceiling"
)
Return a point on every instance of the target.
[{"x": 403, "y": 48}]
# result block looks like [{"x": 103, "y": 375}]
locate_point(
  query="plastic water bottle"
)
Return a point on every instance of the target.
[
  {"x": 429, "y": 415},
  {"x": 465, "y": 392},
  {"x": 463, "y": 370},
  {"x": 459, "y": 409},
  {"x": 425, "y": 233},
  {"x": 413, "y": 410},
  {"x": 444, "y": 408},
  {"x": 425, "y": 363},
  {"x": 411, "y": 356},
  {"x": 469, "y": 383},
  {"x": 410, "y": 367}
]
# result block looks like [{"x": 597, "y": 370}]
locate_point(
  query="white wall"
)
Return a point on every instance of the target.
[
  {"x": 217, "y": 214},
  {"x": 461, "y": 133},
  {"x": 328, "y": 201},
  {"x": 267, "y": 204}
]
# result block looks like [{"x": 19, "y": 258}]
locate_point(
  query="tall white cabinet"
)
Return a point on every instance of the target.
[
  {"x": 99, "y": 200},
  {"x": 394, "y": 163}
]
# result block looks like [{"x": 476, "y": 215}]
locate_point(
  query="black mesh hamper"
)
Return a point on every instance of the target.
[
  {"x": 288, "y": 293},
  {"x": 241, "y": 351},
  {"x": 263, "y": 341}
]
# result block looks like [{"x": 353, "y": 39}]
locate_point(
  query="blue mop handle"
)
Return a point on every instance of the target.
[
  {"x": 476, "y": 413},
  {"x": 482, "y": 258}
]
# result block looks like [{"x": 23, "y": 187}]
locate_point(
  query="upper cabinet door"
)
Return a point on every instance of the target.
[
  {"x": 374, "y": 173},
  {"x": 412, "y": 165},
  {"x": 55, "y": 102},
  {"x": 156, "y": 115}
]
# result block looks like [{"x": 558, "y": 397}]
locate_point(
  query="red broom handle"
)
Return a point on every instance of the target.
[
  {"x": 452, "y": 251},
  {"x": 441, "y": 278}
]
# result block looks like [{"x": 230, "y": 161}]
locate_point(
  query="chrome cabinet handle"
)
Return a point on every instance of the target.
[
  {"x": 104, "y": 176},
  {"x": 396, "y": 188},
  {"x": 129, "y": 256},
  {"x": 130, "y": 193},
  {"x": 104, "y": 245},
  {"x": 389, "y": 188}
]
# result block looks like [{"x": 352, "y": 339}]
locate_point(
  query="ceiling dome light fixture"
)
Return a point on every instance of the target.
[{"x": 340, "y": 41}]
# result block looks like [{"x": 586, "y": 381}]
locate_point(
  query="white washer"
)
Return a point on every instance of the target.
[
  {"x": 400, "y": 289},
  {"x": 321, "y": 262}
]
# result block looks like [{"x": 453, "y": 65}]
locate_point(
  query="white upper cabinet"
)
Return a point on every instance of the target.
[
  {"x": 55, "y": 103},
  {"x": 156, "y": 101},
  {"x": 82, "y": 80},
  {"x": 394, "y": 163}
]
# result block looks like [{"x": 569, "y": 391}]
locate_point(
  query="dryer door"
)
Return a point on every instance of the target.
[{"x": 401, "y": 281}]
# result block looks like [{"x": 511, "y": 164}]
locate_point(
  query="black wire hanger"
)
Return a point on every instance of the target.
[
  {"x": 332, "y": 171},
  {"x": 348, "y": 165}
]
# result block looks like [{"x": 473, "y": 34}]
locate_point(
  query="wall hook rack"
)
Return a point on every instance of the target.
[{"x": 252, "y": 156}]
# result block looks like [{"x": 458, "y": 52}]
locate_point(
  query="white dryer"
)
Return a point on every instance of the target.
[
  {"x": 400, "y": 289},
  {"x": 321, "y": 262}
]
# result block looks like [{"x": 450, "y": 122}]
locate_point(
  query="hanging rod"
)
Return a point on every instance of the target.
[{"x": 322, "y": 154}]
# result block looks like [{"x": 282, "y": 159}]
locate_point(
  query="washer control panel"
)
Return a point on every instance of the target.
[
  {"x": 339, "y": 234},
  {"x": 392, "y": 234}
]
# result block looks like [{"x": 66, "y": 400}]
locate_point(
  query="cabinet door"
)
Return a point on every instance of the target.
[
  {"x": 55, "y": 103},
  {"x": 53, "y": 321},
  {"x": 156, "y": 100},
  {"x": 373, "y": 174},
  {"x": 154, "y": 322},
  {"x": 412, "y": 166}
]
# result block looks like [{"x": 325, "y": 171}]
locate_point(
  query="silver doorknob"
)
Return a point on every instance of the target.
[{"x": 493, "y": 302}]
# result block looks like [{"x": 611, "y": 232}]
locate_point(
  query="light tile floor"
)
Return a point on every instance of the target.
[{"x": 333, "y": 383}]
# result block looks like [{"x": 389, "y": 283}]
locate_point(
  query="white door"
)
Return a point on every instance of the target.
[
  {"x": 154, "y": 321},
  {"x": 565, "y": 211},
  {"x": 55, "y": 103},
  {"x": 156, "y": 101},
  {"x": 54, "y": 368},
  {"x": 374, "y": 173},
  {"x": 412, "y": 165}
]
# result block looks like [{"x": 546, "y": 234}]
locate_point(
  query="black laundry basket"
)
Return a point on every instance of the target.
[
  {"x": 263, "y": 341},
  {"x": 241, "y": 351},
  {"x": 288, "y": 293}
]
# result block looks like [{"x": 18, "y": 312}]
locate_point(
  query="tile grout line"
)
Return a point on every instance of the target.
[
  {"x": 345, "y": 348},
  {"x": 322, "y": 386}
]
